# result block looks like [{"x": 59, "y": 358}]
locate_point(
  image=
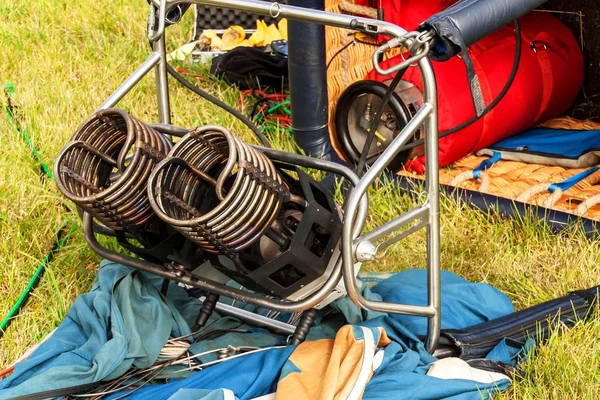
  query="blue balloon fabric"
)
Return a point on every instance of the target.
[
  {"x": 464, "y": 303},
  {"x": 124, "y": 322}
]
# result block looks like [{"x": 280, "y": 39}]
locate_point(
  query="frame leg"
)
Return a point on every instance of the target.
[
  {"x": 162, "y": 84},
  {"x": 433, "y": 198},
  {"x": 152, "y": 61}
]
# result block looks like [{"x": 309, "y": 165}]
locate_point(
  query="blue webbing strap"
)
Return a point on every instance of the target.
[
  {"x": 496, "y": 156},
  {"x": 572, "y": 181}
]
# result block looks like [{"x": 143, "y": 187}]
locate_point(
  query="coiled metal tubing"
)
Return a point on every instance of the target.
[
  {"x": 218, "y": 191},
  {"x": 105, "y": 167}
]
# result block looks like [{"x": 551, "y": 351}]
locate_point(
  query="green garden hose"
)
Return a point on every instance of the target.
[
  {"x": 35, "y": 279},
  {"x": 9, "y": 91},
  {"x": 61, "y": 239}
]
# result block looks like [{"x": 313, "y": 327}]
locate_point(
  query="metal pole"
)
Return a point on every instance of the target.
[
  {"x": 433, "y": 229},
  {"x": 277, "y": 10},
  {"x": 252, "y": 318},
  {"x": 162, "y": 84},
  {"x": 131, "y": 81},
  {"x": 420, "y": 118}
]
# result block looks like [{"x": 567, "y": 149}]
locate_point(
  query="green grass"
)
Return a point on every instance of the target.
[{"x": 66, "y": 57}]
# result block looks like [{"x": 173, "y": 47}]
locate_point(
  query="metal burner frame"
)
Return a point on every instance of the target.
[{"x": 355, "y": 248}]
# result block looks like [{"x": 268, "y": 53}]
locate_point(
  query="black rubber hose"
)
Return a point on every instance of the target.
[
  {"x": 303, "y": 328},
  {"x": 208, "y": 306},
  {"x": 208, "y": 97},
  {"x": 384, "y": 102}
]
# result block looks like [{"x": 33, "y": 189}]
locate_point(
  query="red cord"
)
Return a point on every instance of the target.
[
  {"x": 190, "y": 73},
  {"x": 7, "y": 371},
  {"x": 241, "y": 99},
  {"x": 283, "y": 118}
]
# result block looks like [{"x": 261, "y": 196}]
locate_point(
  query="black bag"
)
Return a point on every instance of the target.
[{"x": 250, "y": 68}]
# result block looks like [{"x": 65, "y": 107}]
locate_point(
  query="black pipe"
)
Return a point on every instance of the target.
[
  {"x": 308, "y": 84},
  {"x": 208, "y": 306},
  {"x": 303, "y": 328}
]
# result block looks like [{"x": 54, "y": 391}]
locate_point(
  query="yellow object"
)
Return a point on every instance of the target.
[
  {"x": 380, "y": 136},
  {"x": 363, "y": 36},
  {"x": 233, "y": 37},
  {"x": 272, "y": 34},
  {"x": 334, "y": 369},
  {"x": 258, "y": 37},
  {"x": 264, "y": 34},
  {"x": 182, "y": 52},
  {"x": 210, "y": 39},
  {"x": 283, "y": 28}
]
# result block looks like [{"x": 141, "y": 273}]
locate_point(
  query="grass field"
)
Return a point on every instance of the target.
[{"x": 65, "y": 58}]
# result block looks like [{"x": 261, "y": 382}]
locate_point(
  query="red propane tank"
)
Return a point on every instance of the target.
[{"x": 548, "y": 80}]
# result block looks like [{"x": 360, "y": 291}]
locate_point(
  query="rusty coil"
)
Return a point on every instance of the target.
[
  {"x": 104, "y": 169},
  {"x": 218, "y": 191}
]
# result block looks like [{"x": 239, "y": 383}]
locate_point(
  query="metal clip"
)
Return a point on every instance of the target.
[
  {"x": 153, "y": 35},
  {"x": 231, "y": 351},
  {"x": 425, "y": 37},
  {"x": 277, "y": 11},
  {"x": 417, "y": 43}
]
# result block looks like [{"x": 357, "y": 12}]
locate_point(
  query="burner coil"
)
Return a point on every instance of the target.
[
  {"x": 219, "y": 192},
  {"x": 104, "y": 169}
]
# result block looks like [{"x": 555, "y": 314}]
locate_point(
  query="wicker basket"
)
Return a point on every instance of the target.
[{"x": 519, "y": 181}]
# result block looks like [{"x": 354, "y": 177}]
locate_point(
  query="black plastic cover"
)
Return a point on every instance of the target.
[{"x": 535, "y": 322}]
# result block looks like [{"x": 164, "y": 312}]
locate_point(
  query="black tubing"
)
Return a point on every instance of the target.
[
  {"x": 219, "y": 103},
  {"x": 208, "y": 306},
  {"x": 308, "y": 83},
  {"x": 306, "y": 322}
]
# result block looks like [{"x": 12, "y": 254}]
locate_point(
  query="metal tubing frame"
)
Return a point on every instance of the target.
[
  {"x": 355, "y": 204},
  {"x": 393, "y": 225},
  {"x": 162, "y": 84},
  {"x": 152, "y": 61},
  {"x": 425, "y": 116}
]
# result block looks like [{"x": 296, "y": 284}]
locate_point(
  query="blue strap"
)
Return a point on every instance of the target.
[
  {"x": 572, "y": 181},
  {"x": 496, "y": 156}
]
